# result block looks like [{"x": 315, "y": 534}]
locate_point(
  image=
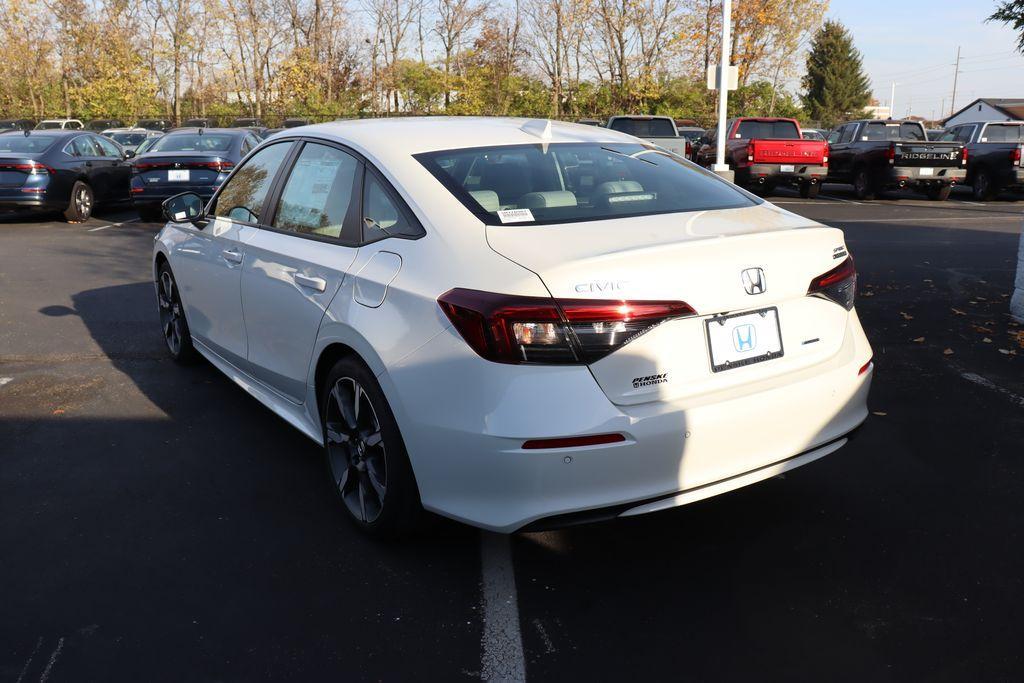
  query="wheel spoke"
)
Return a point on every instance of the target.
[
  {"x": 362, "y": 500},
  {"x": 373, "y": 439},
  {"x": 356, "y": 400},
  {"x": 376, "y": 483},
  {"x": 343, "y": 480},
  {"x": 336, "y": 435},
  {"x": 344, "y": 405}
]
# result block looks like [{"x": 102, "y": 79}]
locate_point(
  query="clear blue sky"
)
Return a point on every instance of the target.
[{"x": 913, "y": 42}]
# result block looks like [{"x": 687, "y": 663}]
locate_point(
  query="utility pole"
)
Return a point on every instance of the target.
[
  {"x": 956, "y": 72},
  {"x": 721, "y": 167},
  {"x": 892, "y": 100}
]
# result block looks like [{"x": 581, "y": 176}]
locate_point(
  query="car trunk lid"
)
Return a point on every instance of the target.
[
  {"x": 708, "y": 260},
  {"x": 796, "y": 152},
  {"x": 176, "y": 168}
]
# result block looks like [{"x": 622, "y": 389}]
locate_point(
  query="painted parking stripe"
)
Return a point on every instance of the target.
[
  {"x": 5, "y": 380},
  {"x": 113, "y": 225},
  {"x": 838, "y": 199},
  {"x": 502, "y": 656},
  {"x": 989, "y": 384}
]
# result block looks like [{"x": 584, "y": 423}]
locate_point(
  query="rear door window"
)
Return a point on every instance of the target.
[
  {"x": 106, "y": 147},
  {"x": 383, "y": 215},
  {"x": 996, "y": 132},
  {"x": 242, "y": 196},
  {"x": 880, "y": 130},
  {"x": 318, "y": 197},
  {"x": 83, "y": 146},
  {"x": 644, "y": 128}
]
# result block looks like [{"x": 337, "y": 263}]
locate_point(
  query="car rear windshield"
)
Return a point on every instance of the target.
[
  {"x": 20, "y": 143},
  {"x": 568, "y": 182},
  {"x": 892, "y": 131},
  {"x": 767, "y": 130},
  {"x": 193, "y": 142},
  {"x": 1000, "y": 132},
  {"x": 644, "y": 128},
  {"x": 128, "y": 138},
  {"x": 49, "y": 125}
]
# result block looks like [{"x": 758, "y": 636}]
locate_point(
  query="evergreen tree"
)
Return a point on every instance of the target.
[
  {"x": 1011, "y": 12},
  {"x": 836, "y": 87}
]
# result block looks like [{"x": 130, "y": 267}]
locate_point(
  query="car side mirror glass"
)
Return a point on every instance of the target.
[{"x": 186, "y": 207}]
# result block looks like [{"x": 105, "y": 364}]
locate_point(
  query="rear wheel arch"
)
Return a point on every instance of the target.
[{"x": 331, "y": 354}]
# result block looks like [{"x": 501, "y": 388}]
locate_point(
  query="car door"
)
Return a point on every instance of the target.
[
  {"x": 208, "y": 263},
  {"x": 89, "y": 164},
  {"x": 299, "y": 260},
  {"x": 841, "y": 151},
  {"x": 112, "y": 173}
]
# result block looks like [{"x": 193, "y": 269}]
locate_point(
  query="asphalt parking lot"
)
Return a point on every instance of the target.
[{"x": 158, "y": 524}]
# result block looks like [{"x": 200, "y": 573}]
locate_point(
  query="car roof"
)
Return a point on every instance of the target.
[
  {"x": 413, "y": 135},
  {"x": 125, "y": 129},
  {"x": 207, "y": 131}
]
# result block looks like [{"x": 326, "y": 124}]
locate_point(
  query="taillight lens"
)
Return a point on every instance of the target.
[
  {"x": 518, "y": 329},
  {"x": 891, "y": 154},
  {"x": 963, "y": 156},
  {"x": 750, "y": 152},
  {"x": 30, "y": 167},
  {"x": 824, "y": 158},
  {"x": 1015, "y": 155},
  {"x": 838, "y": 285}
]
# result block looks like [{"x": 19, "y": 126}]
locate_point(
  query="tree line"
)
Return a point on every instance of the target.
[{"x": 326, "y": 59}]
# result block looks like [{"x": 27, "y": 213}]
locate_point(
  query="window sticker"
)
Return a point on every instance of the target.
[{"x": 515, "y": 215}]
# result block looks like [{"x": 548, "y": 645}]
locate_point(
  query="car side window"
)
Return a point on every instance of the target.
[
  {"x": 242, "y": 196},
  {"x": 107, "y": 148},
  {"x": 848, "y": 132},
  {"x": 318, "y": 197},
  {"x": 84, "y": 147},
  {"x": 835, "y": 135},
  {"x": 383, "y": 216}
]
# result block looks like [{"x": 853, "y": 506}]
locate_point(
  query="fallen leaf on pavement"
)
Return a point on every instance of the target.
[
  {"x": 919, "y": 340},
  {"x": 906, "y": 316},
  {"x": 867, "y": 293},
  {"x": 948, "y": 352},
  {"x": 1005, "y": 352},
  {"x": 880, "y": 413},
  {"x": 957, "y": 311},
  {"x": 986, "y": 340}
]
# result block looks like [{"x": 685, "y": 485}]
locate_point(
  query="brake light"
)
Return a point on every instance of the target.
[
  {"x": 963, "y": 156},
  {"x": 750, "y": 152},
  {"x": 520, "y": 329},
  {"x": 824, "y": 159},
  {"x": 574, "y": 441},
  {"x": 218, "y": 166},
  {"x": 864, "y": 368},
  {"x": 838, "y": 285},
  {"x": 32, "y": 167},
  {"x": 891, "y": 154},
  {"x": 1015, "y": 155}
]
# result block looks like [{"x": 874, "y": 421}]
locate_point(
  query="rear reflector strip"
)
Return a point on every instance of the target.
[{"x": 574, "y": 441}]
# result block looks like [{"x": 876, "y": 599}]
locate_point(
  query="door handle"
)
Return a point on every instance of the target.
[
  {"x": 231, "y": 256},
  {"x": 317, "y": 283}
]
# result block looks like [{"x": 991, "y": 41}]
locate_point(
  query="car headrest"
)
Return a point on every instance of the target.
[
  {"x": 618, "y": 186},
  {"x": 546, "y": 200},
  {"x": 487, "y": 199}
]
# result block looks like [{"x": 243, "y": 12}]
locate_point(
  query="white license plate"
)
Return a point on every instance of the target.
[
  {"x": 177, "y": 176},
  {"x": 926, "y": 171},
  {"x": 744, "y": 338},
  {"x": 787, "y": 168}
]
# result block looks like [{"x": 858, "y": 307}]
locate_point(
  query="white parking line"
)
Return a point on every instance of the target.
[
  {"x": 113, "y": 225},
  {"x": 28, "y": 662},
  {"x": 837, "y": 199},
  {"x": 5, "y": 380},
  {"x": 53, "y": 660},
  {"x": 502, "y": 657},
  {"x": 964, "y": 201},
  {"x": 989, "y": 384},
  {"x": 925, "y": 219}
]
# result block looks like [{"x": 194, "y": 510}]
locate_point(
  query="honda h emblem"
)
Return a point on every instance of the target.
[
  {"x": 744, "y": 338},
  {"x": 753, "y": 281}
]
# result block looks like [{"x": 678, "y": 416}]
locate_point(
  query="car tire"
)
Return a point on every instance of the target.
[
  {"x": 940, "y": 194},
  {"x": 862, "y": 186},
  {"x": 810, "y": 190},
  {"x": 80, "y": 204},
  {"x": 982, "y": 187},
  {"x": 366, "y": 461},
  {"x": 173, "y": 324}
]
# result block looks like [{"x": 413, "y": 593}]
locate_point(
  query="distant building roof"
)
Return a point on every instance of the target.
[{"x": 1013, "y": 107}]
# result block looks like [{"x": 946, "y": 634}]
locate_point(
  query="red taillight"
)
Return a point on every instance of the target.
[
  {"x": 574, "y": 441},
  {"x": 963, "y": 156},
  {"x": 32, "y": 167},
  {"x": 824, "y": 158},
  {"x": 864, "y": 368},
  {"x": 218, "y": 166},
  {"x": 750, "y": 152},
  {"x": 688, "y": 149},
  {"x": 891, "y": 153},
  {"x": 518, "y": 329},
  {"x": 838, "y": 285},
  {"x": 1015, "y": 155}
]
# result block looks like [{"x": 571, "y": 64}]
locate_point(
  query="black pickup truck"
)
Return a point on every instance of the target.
[
  {"x": 993, "y": 155},
  {"x": 875, "y": 155}
]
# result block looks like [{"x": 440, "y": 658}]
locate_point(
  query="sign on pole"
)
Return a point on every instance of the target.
[{"x": 732, "y": 77}]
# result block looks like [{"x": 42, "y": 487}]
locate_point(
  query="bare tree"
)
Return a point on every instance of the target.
[{"x": 455, "y": 19}]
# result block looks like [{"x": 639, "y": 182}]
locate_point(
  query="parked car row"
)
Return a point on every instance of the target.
[{"x": 73, "y": 170}]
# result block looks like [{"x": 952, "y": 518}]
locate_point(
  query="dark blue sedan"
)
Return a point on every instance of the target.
[
  {"x": 61, "y": 170},
  {"x": 186, "y": 160}
]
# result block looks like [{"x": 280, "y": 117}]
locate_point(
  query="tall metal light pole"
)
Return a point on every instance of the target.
[
  {"x": 956, "y": 72},
  {"x": 723, "y": 90}
]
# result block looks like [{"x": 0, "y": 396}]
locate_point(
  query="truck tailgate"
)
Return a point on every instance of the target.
[
  {"x": 788, "y": 151},
  {"x": 934, "y": 154}
]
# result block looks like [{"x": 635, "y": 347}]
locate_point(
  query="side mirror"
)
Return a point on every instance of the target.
[
  {"x": 129, "y": 154},
  {"x": 186, "y": 207}
]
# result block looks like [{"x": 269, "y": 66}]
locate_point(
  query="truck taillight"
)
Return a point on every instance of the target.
[
  {"x": 891, "y": 154},
  {"x": 1016, "y": 154},
  {"x": 838, "y": 285},
  {"x": 963, "y": 156},
  {"x": 520, "y": 329},
  {"x": 824, "y": 158},
  {"x": 750, "y": 152}
]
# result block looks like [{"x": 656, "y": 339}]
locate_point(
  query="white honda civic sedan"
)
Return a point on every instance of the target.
[{"x": 516, "y": 323}]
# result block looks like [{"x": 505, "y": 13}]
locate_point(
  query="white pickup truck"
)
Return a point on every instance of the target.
[{"x": 658, "y": 130}]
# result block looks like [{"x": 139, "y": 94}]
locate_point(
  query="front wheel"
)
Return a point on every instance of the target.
[
  {"x": 366, "y": 459},
  {"x": 809, "y": 190},
  {"x": 939, "y": 193},
  {"x": 172, "y": 317},
  {"x": 982, "y": 187},
  {"x": 80, "y": 204}
]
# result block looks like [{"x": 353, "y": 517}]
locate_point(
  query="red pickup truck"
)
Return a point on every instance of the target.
[{"x": 765, "y": 152}]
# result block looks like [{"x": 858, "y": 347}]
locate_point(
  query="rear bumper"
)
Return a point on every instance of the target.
[
  {"x": 13, "y": 199},
  {"x": 154, "y": 197},
  {"x": 465, "y": 420},
  {"x": 800, "y": 173},
  {"x": 907, "y": 176}
]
